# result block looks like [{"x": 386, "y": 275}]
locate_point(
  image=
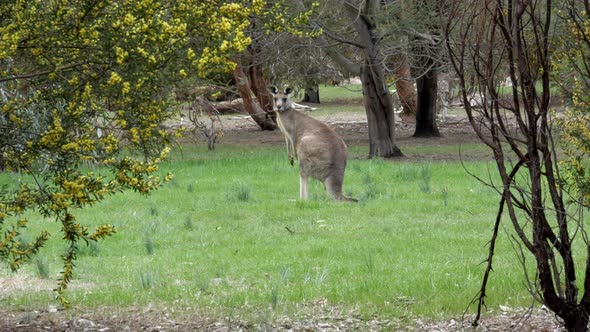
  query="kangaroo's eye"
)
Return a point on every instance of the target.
[{"x": 284, "y": 100}]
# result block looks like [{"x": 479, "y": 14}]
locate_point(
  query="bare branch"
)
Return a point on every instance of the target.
[{"x": 337, "y": 38}]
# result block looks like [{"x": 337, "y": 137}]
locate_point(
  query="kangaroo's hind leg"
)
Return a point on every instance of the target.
[
  {"x": 303, "y": 187},
  {"x": 333, "y": 184}
]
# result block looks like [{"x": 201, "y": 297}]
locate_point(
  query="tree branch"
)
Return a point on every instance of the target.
[
  {"x": 42, "y": 73},
  {"x": 339, "y": 58},
  {"x": 338, "y": 38}
]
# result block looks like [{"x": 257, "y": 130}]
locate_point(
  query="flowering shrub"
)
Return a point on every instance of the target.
[
  {"x": 88, "y": 83},
  {"x": 570, "y": 62}
]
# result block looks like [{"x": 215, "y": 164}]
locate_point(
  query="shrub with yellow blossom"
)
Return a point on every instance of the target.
[
  {"x": 88, "y": 83},
  {"x": 571, "y": 63}
]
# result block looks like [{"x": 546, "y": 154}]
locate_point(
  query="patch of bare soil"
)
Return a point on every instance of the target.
[
  {"x": 320, "y": 317},
  {"x": 241, "y": 130}
]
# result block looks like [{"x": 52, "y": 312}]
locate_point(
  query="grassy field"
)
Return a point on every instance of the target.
[
  {"x": 341, "y": 94},
  {"x": 339, "y": 99},
  {"x": 228, "y": 236}
]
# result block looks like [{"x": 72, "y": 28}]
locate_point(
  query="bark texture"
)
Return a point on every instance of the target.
[
  {"x": 250, "y": 103},
  {"x": 427, "y": 61},
  {"x": 312, "y": 93},
  {"x": 427, "y": 97},
  {"x": 404, "y": 84},
  {"x": 378, "y": 102},
  {"x": 380, "y": 114}
]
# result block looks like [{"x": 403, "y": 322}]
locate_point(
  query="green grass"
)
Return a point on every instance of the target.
[
  {"x": 331, "y": 108},
  {"x": 345, "y": 94},
  {"x": 340, "y": 99},
  {"x": 228, "y": 234}
]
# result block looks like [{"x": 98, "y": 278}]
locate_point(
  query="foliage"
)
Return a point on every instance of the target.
[
  {"x": 572, "y": 60},
  {"x": 84, "y": 96},
  {"x": 576, "y": 142},
  {"x": 294, "y": 58}
]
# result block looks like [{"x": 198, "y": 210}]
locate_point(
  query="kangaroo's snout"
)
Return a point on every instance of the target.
[{"x": 280, "y": 104}]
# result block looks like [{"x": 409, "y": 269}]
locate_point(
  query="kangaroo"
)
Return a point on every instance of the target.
[{"x": 320, "y": 152}]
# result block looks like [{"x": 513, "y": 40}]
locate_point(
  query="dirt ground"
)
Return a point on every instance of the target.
[
  {"x": 454, "y": 129},
  {"x": 353, "y": 128},
  {"x": 320, "y": 315}
]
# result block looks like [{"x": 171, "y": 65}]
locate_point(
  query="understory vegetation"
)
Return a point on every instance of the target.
[{"x": 228, "y": 237}]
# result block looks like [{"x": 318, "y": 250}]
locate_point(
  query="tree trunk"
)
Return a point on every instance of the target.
[
  {"x": 577, "y": 321},
  {"x": 426, "y": 57},
  {"x": 427, "y": 95},
  {"x": 380, "y": 114},
  {"x": 377, "y": 99},
  {"x": 378, "y": 102},
  {"x": 260, "y": 86},
  {"x": 251, "y": 104},
  {"x": 404, "y": 84},
  {"x": 255, "y": 73},
  {"x": 312, "y": 93}
]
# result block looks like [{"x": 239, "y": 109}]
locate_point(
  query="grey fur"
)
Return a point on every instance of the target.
[{"x": 321, "y": 153}]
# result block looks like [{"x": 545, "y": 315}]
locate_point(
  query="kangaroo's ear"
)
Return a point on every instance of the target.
[
  {"x": 288, "y": 90},
  {"x": 273, "y": 90}
]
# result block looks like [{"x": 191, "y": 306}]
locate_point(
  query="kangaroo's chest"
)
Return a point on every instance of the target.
[{"x": 286, "y": 126}]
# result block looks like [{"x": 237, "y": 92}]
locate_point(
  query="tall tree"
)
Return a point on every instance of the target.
[
  {"x": 426, "y": 51},
  {"x": 252, "y": 104},
  {"x": 249, "y": 77},
  {"x": 378, "y": 103},
  {"x": 489, "y": 40},
  {"x": 281, "y": 21}
]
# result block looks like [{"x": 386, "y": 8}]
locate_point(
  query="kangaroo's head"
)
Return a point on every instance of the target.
[{"x": 281, "y": 100}]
